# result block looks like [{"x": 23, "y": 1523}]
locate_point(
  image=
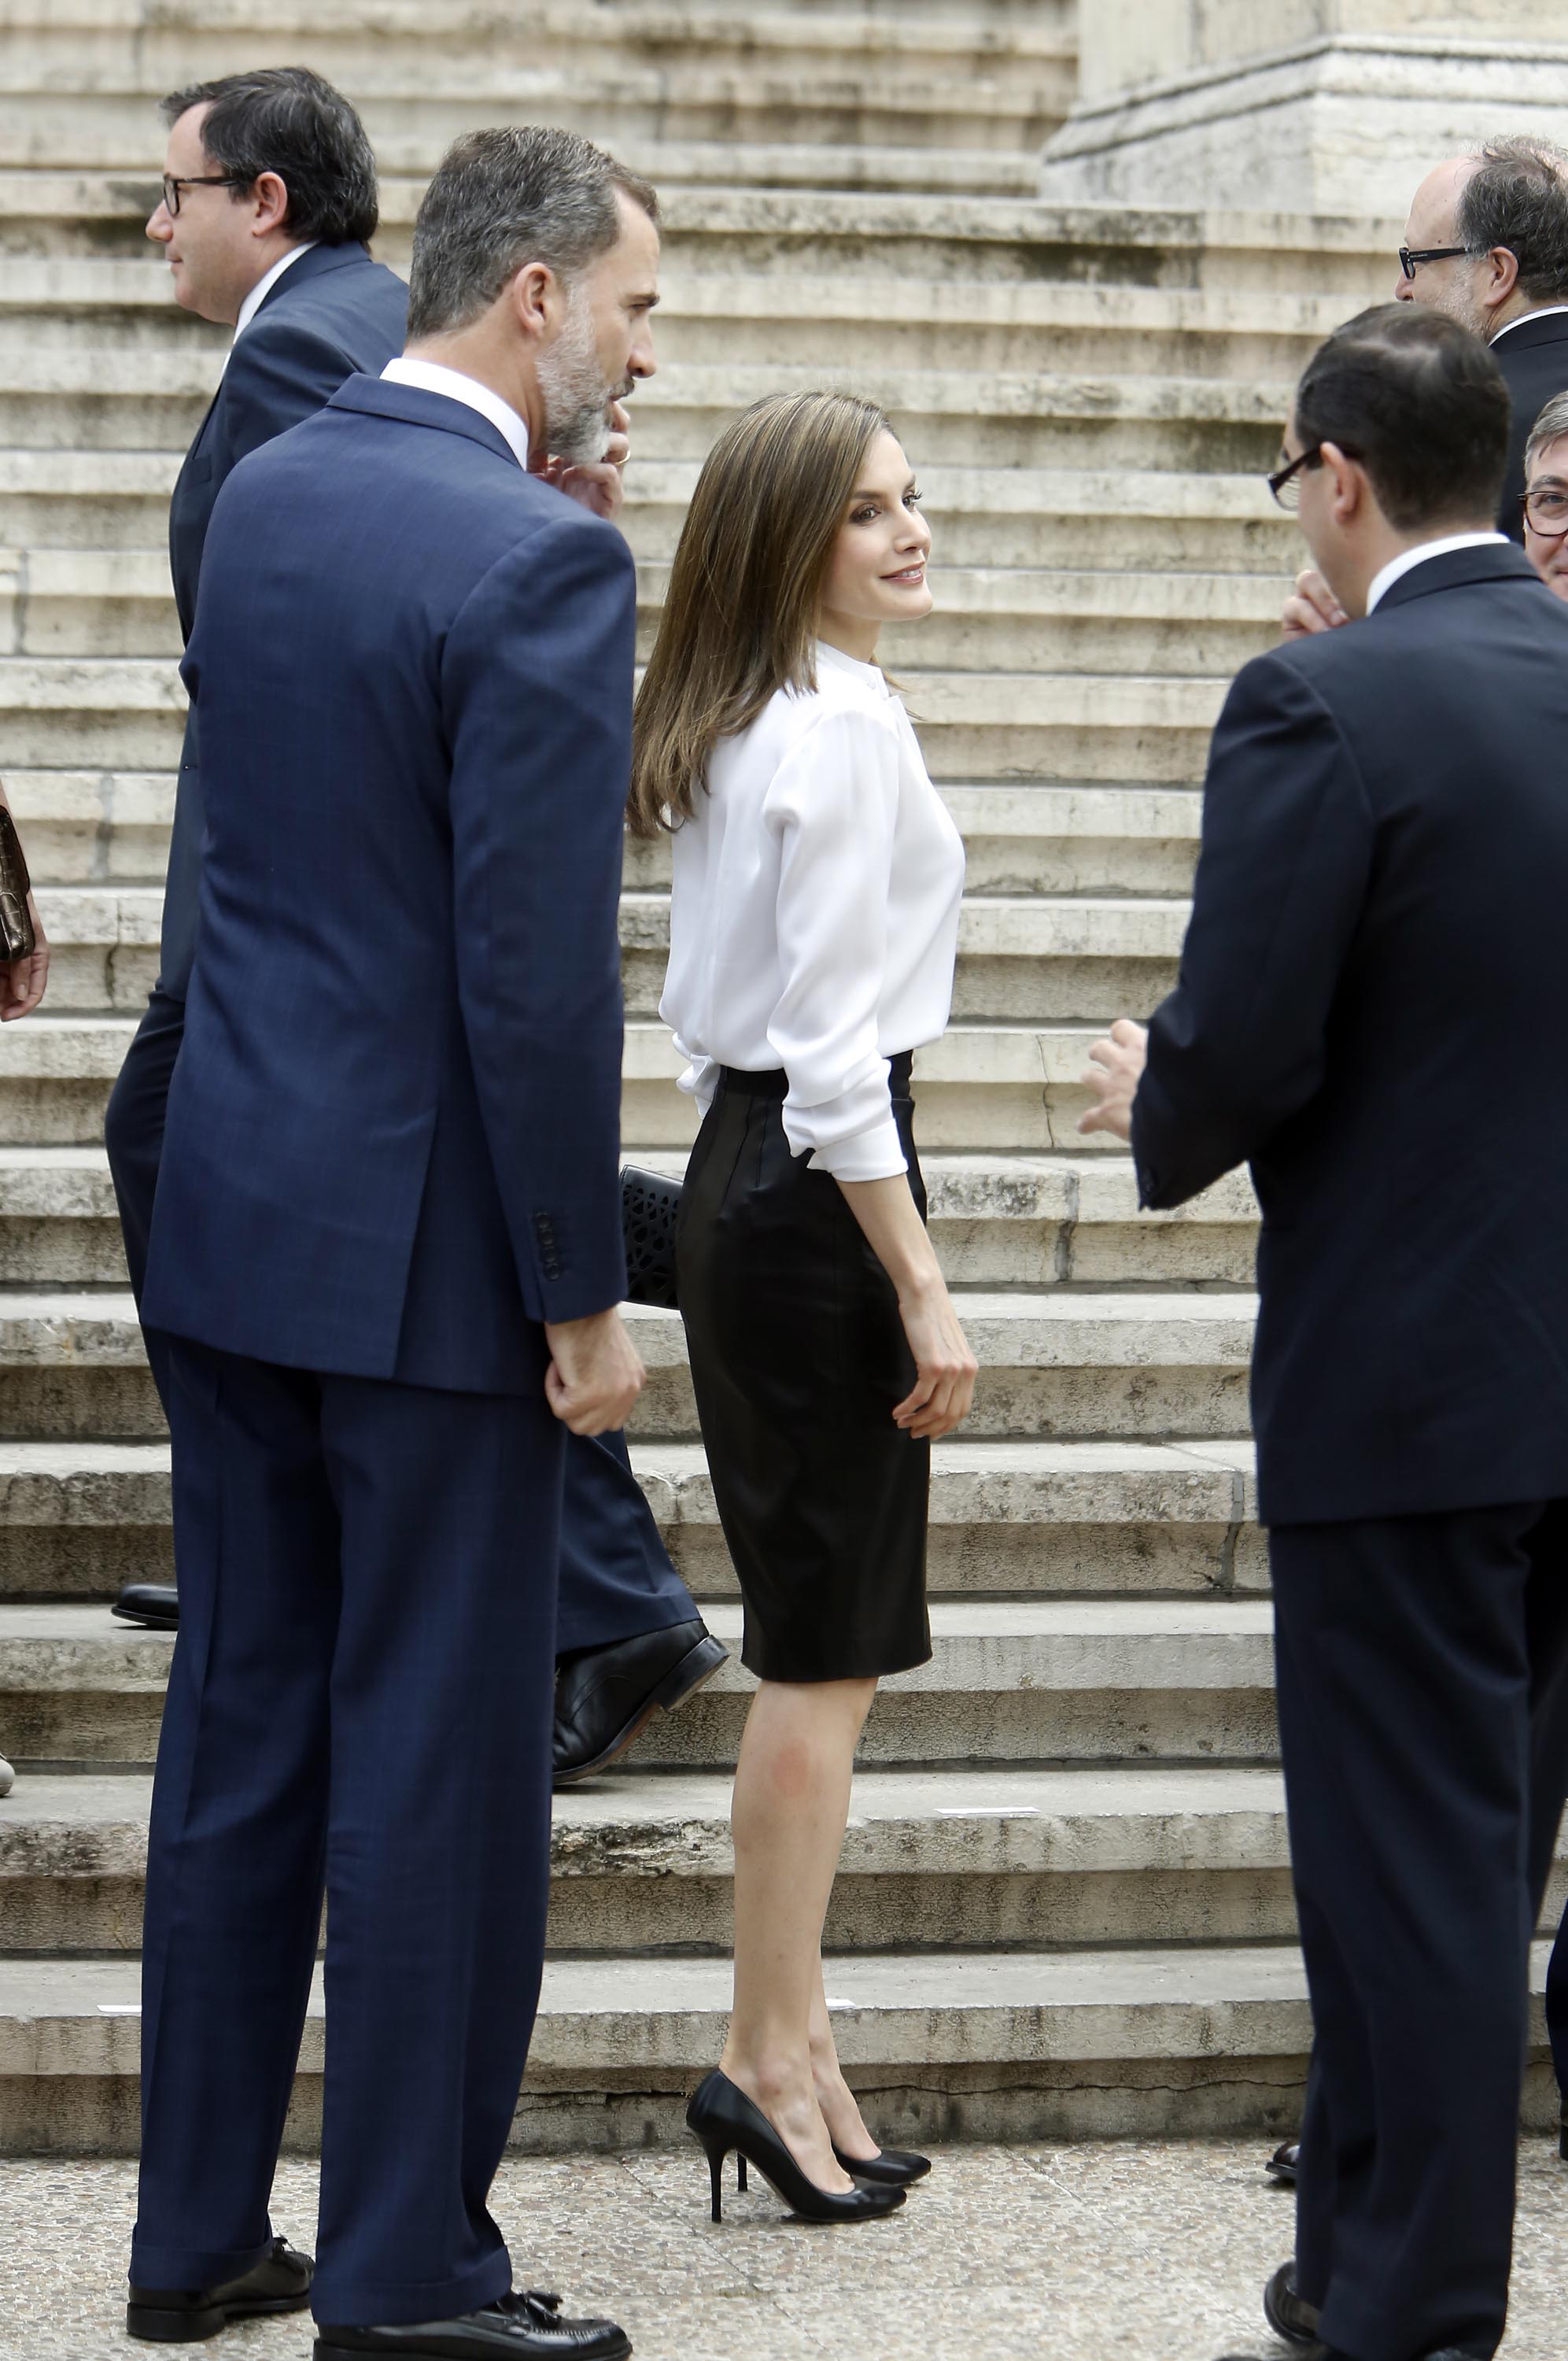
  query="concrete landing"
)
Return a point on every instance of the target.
[{"x": 1098, "y": 2252}]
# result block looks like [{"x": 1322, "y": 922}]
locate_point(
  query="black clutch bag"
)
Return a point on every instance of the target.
[
  {"x": 649, "y": 1204},
  {"x": 17, "y": 939}
]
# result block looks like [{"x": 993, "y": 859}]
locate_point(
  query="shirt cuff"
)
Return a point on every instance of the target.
[
  {"x": 700, "y": 1080},
  {"x": 874, "y": 1155}
]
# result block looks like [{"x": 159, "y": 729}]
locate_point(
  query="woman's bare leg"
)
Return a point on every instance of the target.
[
  {"x": 841, "y": 2110},
  {"x": 791, "y": 1800}
]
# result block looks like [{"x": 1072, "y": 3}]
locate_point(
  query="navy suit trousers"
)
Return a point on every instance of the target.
[
  {"x": 617, "y": 1581},
  {"x": 1422, "y": 1674},
  {"x": 359, "y": 1706}
]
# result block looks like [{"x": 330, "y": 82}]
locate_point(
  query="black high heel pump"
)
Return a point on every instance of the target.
[
  {"x": 895, "y": 2167},
  {"x": 724, "y": 2120}
]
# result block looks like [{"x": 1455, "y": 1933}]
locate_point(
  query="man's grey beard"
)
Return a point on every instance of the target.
[{"x": 576, "y": 399}]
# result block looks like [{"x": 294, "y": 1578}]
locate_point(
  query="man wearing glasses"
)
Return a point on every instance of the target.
[
  {"x": 1375, "y": 946},
  {"x": 268, "y": 197},
  {"x": 1486, "y": 243}
]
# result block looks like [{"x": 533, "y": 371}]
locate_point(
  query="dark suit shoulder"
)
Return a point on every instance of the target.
[
  {"x": 459, "y": 509},
  {"x": 1292, "y": 676},
  {"x": 333, "y": 312}
]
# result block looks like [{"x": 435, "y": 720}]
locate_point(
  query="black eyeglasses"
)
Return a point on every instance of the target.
[
  {"x": 172, "y": 187},
  {"x": 1411, "y": 257},
  {"x": 1285, "y": 482},
  {"x": 1546, "y": 512}
]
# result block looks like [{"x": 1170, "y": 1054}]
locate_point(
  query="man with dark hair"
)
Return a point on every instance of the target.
[
  {"x": 1376, "y": 937},
  {"x": 268, "y": 198},
  {"x": 1486, "y": 243},
  {"x": 385, "y": 1258}
]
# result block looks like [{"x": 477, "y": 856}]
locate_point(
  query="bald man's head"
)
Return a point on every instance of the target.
[
  {"x": 1446, "y": 283},
  {"x": 1505, "y": 207}
]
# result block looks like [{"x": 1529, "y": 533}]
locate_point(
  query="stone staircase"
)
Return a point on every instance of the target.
[{"x": 1065, "y": 1905}]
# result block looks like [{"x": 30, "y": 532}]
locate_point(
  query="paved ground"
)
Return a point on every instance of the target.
[{"x": 1101, "y": 2252}]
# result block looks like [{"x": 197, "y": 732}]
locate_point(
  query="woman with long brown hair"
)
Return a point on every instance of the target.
[{"x": 813, "y": 930}]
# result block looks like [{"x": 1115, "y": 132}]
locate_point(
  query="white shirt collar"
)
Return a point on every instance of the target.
[
  {"x": 434, "y": 376},
  {"x": 1542, "y": 312},
  {"x": 1385, "y": 581},
  {"x": 265, "y": 284},
  {"x": 872, "y": 675}
]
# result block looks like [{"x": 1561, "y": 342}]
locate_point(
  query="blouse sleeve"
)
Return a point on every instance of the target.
[
  {"x": 833, "y": 806},
  {"x": 700, "y": 1079}
]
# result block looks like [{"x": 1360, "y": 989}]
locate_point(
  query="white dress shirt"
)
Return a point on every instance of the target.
[
  {"x": 436, "y": 378},
  {"x": 814, "y": 917},
  {"x": 263, "y": 288},
  {"x": 1390, "y": 574},
  {"x": 1542, "y": 312}
]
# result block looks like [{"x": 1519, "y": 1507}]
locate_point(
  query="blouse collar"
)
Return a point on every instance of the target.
[{"x": 835, "y": 660}]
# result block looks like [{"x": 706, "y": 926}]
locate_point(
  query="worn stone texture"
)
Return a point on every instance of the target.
[
  {"x": 1102, "y": 2251},
  {"x": 1338, "y": 108}
]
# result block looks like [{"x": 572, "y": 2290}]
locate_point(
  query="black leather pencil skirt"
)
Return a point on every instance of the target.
[{"x": 798, "y": 1359}]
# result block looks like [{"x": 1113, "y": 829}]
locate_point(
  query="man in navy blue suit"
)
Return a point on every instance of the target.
[
  {"x": 385, "y": 1260},
  {"x": 269, "y": 200},
  {"x": 1367, "y": 1013}
]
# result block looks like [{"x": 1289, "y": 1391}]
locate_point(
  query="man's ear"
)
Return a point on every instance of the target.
[
  {"x": 271, "y": 198},
  {"x": 1503, "y": 266},
  {"x": 1350, "y": 483},
  {"x": 535, "y": 295}
]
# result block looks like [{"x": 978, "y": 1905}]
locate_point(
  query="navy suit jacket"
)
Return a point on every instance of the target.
[
  {"x": 1534, "y": 357},
  {"x": 393, "y": 1133},
  {"x": 331, "y": 313},
  {"x": 1370, "y": 1012}
]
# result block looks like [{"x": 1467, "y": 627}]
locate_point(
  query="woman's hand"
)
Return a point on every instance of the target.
[{"x": 946, "y": 1368}]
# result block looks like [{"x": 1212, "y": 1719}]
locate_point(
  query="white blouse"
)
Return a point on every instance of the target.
[{"x": 814, "y": 918}]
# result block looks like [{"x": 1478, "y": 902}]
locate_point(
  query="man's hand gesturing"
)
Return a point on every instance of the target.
[
  {"x": 1311, "y": 607},
  {"x": 595, "y": 1374},
  {"x": 1113, "y": 1077}
]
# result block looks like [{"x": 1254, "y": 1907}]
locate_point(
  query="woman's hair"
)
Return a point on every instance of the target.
[{"x": 741, "y": 611}]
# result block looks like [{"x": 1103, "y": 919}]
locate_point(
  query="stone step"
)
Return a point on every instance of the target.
[
  {"x": 1007, "y": 1518},
  {"x": 641, "y": 48},
  {"x": 892, "y": 213},
  {"x": 919, "y": 88},
  {"x": 987, "y": 1089},
  {"x": 793, "y": 320},
  {"x": 1039, "y": 958},
  {"x": 112, "y": 827},
  {"x": 127, "y": 712},
  {"x": 1144, "y": 2040},
  {"x": 977, "y": 26},
  {"x": 1080, "y": 519},
  {"x": 99, "y": 827},
  {"x": 96, "y": 603},
  {"x": 1168, "y": 1679},
  {"x": 997, "y": 1221},
  {"x": 641, "y": 1862},
  {"x": 93, "y": 396},
  {"x": 1065, "y": 1364}
]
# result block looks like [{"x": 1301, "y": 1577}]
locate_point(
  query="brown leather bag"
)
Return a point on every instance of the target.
[{"x": 18, "y": 938}]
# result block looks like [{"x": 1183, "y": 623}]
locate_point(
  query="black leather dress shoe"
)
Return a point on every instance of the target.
[
  {"x": 280, "y": 2281},
  {"x": 1288, "y": 2315},
  {"x": 604, "y": 1695},
  {"x": 527, "y": 2327},
  {"x": 1333, "y": 2352},
  {"x": 154, "y": 1604},
  {"x": 1282, "y": 2164}
]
